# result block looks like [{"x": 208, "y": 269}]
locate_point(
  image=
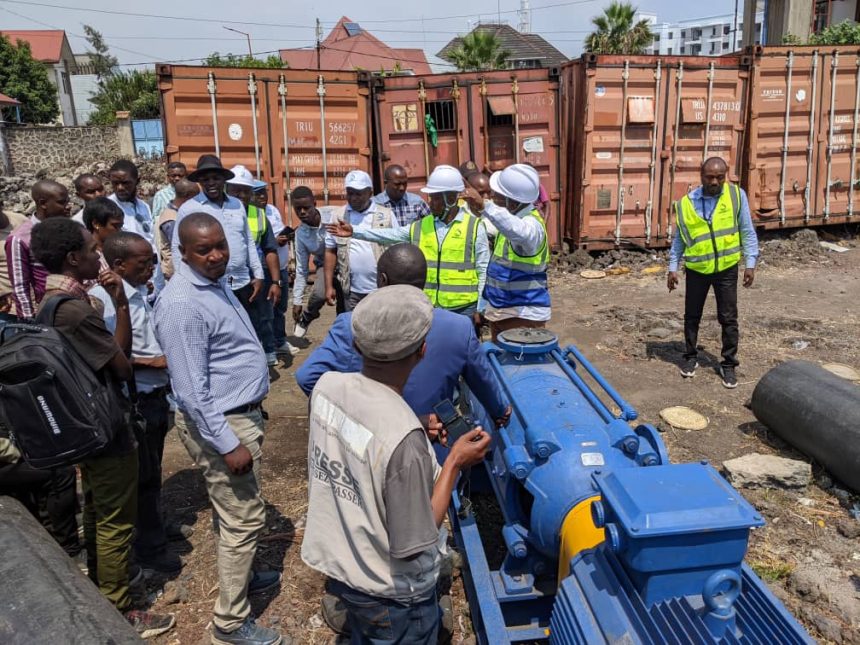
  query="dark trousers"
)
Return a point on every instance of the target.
[
  {"x": 150, "y": 536},
  {"x": 725, "y": 285},
  {"x": 261, "y": 314},
  {"x": 381, "y": 621},
  {"x": 353, "y": 299},
  {"x": 55, "y": 488},
  {"x": 316, "y": 301},
  {"x": 279, "y": 313}
]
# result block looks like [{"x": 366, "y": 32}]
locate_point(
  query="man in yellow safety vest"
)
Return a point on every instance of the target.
[
  {"x": 451, "y": 239},
  {"x": 713, "y": 228}
]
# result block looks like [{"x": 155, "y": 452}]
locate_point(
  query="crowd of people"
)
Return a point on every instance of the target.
[{"x": 185, "y": 303}]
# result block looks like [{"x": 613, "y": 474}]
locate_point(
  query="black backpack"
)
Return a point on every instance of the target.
[{"x": 56, "y": 408}]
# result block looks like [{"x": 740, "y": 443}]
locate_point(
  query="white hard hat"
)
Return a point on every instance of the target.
[
  {"x": 519, "y": 182},
  {"x": 241, "y": 176},
  {"x": 444, "y": 179},
  {"x": 357, "y": 180}
]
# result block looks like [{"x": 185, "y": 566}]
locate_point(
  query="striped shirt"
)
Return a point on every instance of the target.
[
  {"x": 162, "y": 199},
  {"x": 214, "y": 358},
  {"x": 410, "y": 207},
  {"x": 25, "y": 273}
]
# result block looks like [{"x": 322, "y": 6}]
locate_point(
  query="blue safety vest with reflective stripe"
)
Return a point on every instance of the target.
[
  {"x": 518, "y": 281},
  {"x": 715, "y": 245}
]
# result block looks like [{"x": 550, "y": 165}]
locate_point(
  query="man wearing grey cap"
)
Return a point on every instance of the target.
[
  {"x": 353, "y": 262},
  {"x": 374, "y": 509}
]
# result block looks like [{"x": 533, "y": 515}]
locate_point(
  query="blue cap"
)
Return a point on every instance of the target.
[{"x": 260, "y": 185}]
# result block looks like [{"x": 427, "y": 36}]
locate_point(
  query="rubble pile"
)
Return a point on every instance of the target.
[{"x": 15, "y": 190}]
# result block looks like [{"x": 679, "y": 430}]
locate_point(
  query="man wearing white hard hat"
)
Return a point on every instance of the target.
[
  {"x": 451, "y": 239},
  {"x": 349, "y": 260},
  {"x": 516, "y": 290}
]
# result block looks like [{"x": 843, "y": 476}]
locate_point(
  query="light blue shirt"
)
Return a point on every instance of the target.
[
  {"x": 310, "y": 241},
  {"x": 705, "y": 205},
  {"x": 273, "y": 215},
  {"x": 138, "y": 217},
  {"x": 401, "y": 234},
  {"x": 244, "y": 262},
  {"x": 362, "y": 261},
  {"x": 162, "y": 198},
  {"x": 216, "y": 362},
  {"x": 144, "y": 344}
]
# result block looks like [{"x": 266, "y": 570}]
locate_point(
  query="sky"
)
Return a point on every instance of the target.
[{"x": 184, "y": 31}]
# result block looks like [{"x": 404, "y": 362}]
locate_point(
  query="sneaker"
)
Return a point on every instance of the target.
[
  {"x": 727, "y": 373},
  {"x": 263, "y": 581},
  {"x": 178, "y": 531},
  {"x": 688, "y": 367},
  {"x": 137, "y": 586},
  {"x": 334, "y": 614},
  {"x": 148, "y": 624},
  {"x": 271, "y": 359},
  {"x": 250, "y": 633},
  {"x": 300, "y": 331},
  {"x": 286, "y": 348},
  {"x": 165, "y": 562}
]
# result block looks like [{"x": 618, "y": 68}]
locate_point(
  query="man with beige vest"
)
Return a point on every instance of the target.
[
  {"x": 377, "y": 497},
  {"x": 184, "y": 189}
]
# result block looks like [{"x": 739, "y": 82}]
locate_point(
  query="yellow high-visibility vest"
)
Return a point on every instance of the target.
[
  {"x": 452, "y": 276},
  {"x": 712, "y": 246}
]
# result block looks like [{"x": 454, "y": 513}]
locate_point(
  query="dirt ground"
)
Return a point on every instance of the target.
[{"x": 805, "y": 303}]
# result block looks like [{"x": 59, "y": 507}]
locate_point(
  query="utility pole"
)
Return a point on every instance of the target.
[
  {"x": 319, "y": 47},
  {"x": 246, "y": 35}
]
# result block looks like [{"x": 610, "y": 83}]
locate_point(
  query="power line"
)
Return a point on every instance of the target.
[
  {"x": 151, "y": 15},
  {"x": 473, "y": 15}
]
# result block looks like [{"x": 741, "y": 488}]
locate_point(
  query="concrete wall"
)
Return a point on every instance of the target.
[
  {"x": 83, "y": 88},
  {"x": 58, "y": 148}
]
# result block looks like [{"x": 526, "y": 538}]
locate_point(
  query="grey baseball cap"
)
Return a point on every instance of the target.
[{"x": 392, "y": 322}]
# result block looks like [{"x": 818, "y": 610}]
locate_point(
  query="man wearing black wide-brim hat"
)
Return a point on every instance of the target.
[{"x": 244, "y": 270}]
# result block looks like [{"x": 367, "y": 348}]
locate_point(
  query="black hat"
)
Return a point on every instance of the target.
[{"x": 209, "y": 162}]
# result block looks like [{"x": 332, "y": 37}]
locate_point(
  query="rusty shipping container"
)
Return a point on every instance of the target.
[
  {"x": 493, "y": 118},
  {"x": 801, "y": 157},
  {"x": 639, "y": 128},
  {"x": 289, "y": 127}
]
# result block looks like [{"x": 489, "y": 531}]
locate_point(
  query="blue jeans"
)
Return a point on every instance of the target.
[
  {"x": 260, "y": 312},
  {"x": 380, "y": 621},
  {"x": 279, "y": 321}
]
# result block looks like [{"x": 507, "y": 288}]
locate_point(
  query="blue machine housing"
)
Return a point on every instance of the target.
[{"x": 670, "y": 568}]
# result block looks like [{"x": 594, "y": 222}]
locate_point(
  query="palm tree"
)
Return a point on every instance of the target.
[
  {"x": 616, "y": 32},
  {"x": 479, "y": 51}
]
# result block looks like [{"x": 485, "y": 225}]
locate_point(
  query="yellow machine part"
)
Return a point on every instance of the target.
[{"x": 577, "y": 534}]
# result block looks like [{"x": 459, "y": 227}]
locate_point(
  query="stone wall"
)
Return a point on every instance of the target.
[{"x": 57, "y": 149}]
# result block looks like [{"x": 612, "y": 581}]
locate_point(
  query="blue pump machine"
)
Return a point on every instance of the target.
[{"x": 606, "y": 541}]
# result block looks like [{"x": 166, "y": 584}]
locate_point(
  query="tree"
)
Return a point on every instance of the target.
[
  {"x": 846, "y": 32},
  {"x": 479, "y": 51},
  {"x": 135, "y": 92},
  {"x": 102, "y": 62},
  {"x": 26, "y": 79},
  {"x": 232, "y": 60},
  {"x": 616, "y": 32}
]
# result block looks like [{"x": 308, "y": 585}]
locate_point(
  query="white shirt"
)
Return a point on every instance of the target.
[
  {"x": 526, "y": 236},
  {"x": 362, "y": 261},
  {"x": 277, "y": 224},
  {"x": 144, "y": 344},
  {"x": 138, "y": 218},
  {"x": 79, "y": 217}
]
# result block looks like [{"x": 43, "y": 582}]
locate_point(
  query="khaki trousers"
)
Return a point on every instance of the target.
[{"x": 239, "y": 513}]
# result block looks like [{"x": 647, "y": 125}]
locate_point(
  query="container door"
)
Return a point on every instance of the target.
[
  {"x": 781, "y": 138},
  {"x": 836, "y": 198}
]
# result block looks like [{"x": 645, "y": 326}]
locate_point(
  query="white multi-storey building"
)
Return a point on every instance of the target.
[{"x": 709, "y": 36}]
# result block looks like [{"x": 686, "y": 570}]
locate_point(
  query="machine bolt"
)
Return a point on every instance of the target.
[
  {"x": 757, "y": 518},
  {"x": 517, "y": 577},
  {"x": 635, "y": 529},
  {"x": 704, "y": 462}
]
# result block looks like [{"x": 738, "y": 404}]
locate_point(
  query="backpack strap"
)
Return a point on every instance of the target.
[{"x": 48, "y": 311}]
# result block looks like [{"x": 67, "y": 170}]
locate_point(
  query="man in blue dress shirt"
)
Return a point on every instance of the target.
[
  {"x": 455, "y": 350},
  {"x": 219, "y": 377}
]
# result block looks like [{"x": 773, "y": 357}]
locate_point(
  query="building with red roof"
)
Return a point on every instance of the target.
[
  {"x": 348, "y": 47},
  {"x": 51, "y": 47}
]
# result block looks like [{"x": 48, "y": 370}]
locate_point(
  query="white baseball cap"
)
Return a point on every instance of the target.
[
  {"x": 241, "y": 176},
  {"x": 357, "y": 180}
]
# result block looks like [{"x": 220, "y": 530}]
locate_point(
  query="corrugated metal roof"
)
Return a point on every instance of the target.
[
  {"x": 521, "y": 46},
  {"x": 46, "y": 45}
]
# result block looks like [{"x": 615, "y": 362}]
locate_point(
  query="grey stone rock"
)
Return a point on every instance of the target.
[
  {"x": 660, "y": 333},
  {"x": 849, "y": 528},
  {"x": 767, "y": 471}
]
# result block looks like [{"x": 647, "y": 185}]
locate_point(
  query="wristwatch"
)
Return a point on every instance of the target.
[{"x": 279, "y": 284}]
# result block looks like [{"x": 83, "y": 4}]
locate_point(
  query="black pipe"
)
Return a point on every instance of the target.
[{"x": 816, "y": 412}]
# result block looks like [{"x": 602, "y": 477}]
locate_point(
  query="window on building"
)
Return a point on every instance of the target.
[
  {"x": 725, "y": 46},
  {"x": 671, "y": 35},
  {"x": 683, "y": 33},
  {"x": 669, "y": 51},
  {"x": 695, "y": 50},
  {"x": 713, "y": 49},
  {"x": 443, "y": 115},
  {"x": 726, "y": 29},
  {"x": 656, "y": 38}
]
